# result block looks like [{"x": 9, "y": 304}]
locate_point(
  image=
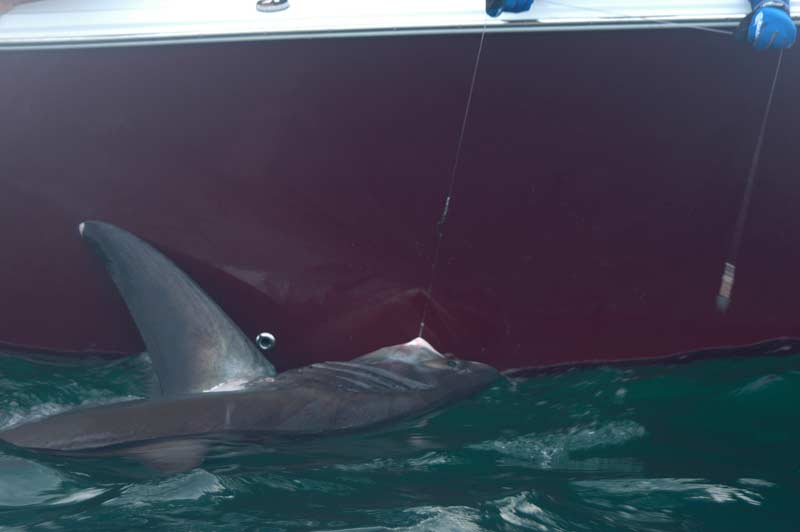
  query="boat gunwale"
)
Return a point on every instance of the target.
[{"x": 489, "y": 27}]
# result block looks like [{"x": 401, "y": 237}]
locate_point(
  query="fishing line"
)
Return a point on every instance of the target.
[
  {"x": 641, "y": 18},
  {"x": 729, "y": 266},
  {"x": 446, "y": 209},
  {"x": 729, "y": 271}
]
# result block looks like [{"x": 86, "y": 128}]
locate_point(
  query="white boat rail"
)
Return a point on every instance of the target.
[{"x": 56, "y": 23}]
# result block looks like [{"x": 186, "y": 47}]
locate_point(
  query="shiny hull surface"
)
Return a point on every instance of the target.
[{"x": 301, "y": 182}]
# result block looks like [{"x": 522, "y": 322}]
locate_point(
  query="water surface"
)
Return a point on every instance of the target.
[{"x": 711, "y": 445}]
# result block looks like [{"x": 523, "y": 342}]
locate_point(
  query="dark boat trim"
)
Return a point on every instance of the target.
[{"x": 767, "y": 348}]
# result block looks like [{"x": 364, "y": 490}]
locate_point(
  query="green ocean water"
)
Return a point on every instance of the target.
[{"x": 708, "y": 445}]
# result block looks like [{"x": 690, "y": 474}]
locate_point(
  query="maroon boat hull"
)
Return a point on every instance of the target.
[{"x": 301, "y": 182}]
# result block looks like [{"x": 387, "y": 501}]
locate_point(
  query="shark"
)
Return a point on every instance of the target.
[{"x": 213, "y": 380}]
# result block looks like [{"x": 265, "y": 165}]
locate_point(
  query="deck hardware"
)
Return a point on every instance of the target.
[
  {"x": 265, "y": 341},
  {"x": 269, "y": 6}
]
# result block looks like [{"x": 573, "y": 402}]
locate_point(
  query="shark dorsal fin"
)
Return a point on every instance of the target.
[{"x": 194, "y": 345}]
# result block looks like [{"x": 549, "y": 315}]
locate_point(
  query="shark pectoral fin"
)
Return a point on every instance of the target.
[
  {"x": 173, "y": 456},
  {"x": 193, "y": 344}
]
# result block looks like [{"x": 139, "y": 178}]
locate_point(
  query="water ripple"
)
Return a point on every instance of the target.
[
  {"x": 553, "y": 449},
  {"x": 703, "y": 446}
]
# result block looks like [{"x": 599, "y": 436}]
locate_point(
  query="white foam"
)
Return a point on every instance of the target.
[
  {"x": 552, "y": 449},
  {"x": 694, "y": 488},
  {"x": 520, "y": 511},
  {"x": 188, "y": 487},
  {"x": 460, "y": 518},
  {"x": 756, "y": 482},
  {"x": 80, "y": 496}
]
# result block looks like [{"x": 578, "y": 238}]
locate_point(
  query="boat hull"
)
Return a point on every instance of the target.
[{"x": 302, "y": 183}]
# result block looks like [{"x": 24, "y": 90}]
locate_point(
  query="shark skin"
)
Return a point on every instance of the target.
[
  {"x": 390, "y": 384},
  {"x": 213, "y": 381}
]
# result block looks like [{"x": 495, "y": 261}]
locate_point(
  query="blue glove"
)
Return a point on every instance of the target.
[
  {"x": 770, "y": 25},
  {"x": 495, "y": 7}
]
